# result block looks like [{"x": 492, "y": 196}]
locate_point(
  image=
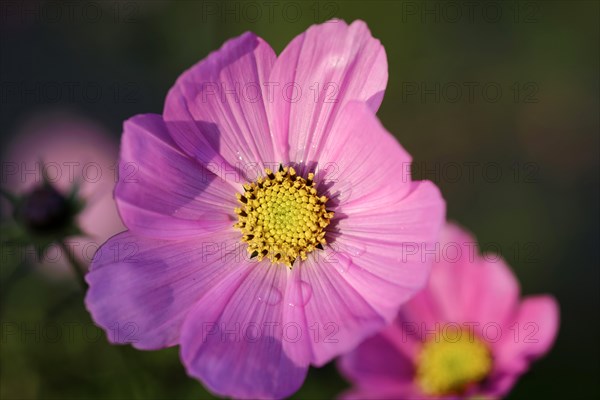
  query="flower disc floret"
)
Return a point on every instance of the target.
[
  {"x": 282, "y": 217},
  {"x": 450, "y": 365}
]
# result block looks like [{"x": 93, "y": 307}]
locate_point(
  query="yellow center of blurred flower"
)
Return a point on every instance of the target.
[
  {"x": 281, "y": 216},
  {"x": 452, "y": 363}
]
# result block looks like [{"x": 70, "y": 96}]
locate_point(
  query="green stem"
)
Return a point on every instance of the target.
[{"x": 75, "y": 265}]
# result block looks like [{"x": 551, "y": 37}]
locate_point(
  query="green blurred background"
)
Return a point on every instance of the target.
[{"x": 516, "y": 156}]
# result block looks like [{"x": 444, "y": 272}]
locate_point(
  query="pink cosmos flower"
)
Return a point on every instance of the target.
[
  {"x": 466, "y": 335},
  {"x": 267, "y": 211},
  {"x": 72, "y": 151}
]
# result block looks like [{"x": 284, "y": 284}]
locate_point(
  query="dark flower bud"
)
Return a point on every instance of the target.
[{"x": 44, "y": 210}]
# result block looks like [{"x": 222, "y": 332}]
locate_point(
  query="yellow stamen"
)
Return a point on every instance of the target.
[
  {"x": 281, "y": 216},
  {"x": 452, "y": 363}
]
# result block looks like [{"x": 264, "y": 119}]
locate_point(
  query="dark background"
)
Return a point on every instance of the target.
[{"x": 516, "y": 158}]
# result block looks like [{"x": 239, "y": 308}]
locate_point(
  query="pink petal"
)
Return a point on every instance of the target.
[
  {"x": 334, "y": 315},
  {"x": 382, "y": 251},
  {"x": 469, "y": 286},
  {"x": 358, "y": 284},
  {"x": 464, "y": 287},
  {"x": 377, "y": 365},
  {"x": 232, "y": 340},
  {"x": 334, "y": 62},
  {"x": 419, "y": 314},
  {"x": 497, "y": 293},
  {"x": 216, "y": 108},
  {"x": 361, "y": 165},
  {"x": 164, "y": 193},
  {"x": 451, "y": 289},
  {"x": 373, "y": 256},
  {"x": 141, "y": 289},
  {"x": 381, "y": 368},
  {"x": 383, "y": 221},
  {"x": 537, "y": 323}
]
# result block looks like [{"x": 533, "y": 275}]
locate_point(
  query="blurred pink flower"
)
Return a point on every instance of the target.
[
  {"x": 466, "y": 335},
  {"x": 72, "y": 151}
]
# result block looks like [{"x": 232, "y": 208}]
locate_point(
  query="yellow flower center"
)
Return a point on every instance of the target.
[
  {"x": 452, "y": 363},
  {"x": 281, "y": 216}
]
